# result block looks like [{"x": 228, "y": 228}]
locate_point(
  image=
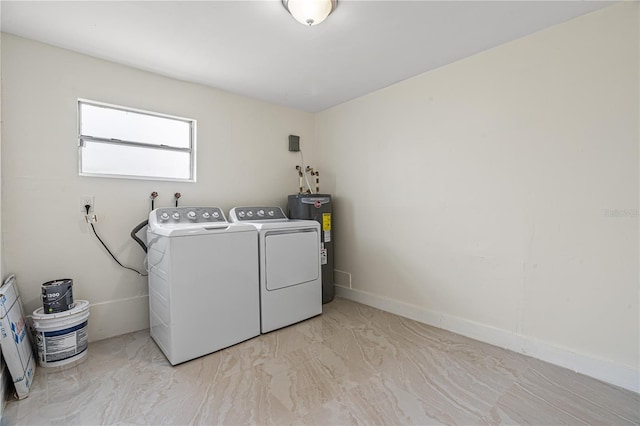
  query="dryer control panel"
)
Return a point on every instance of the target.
[
  {"x": 254, "y": 214},
  {"x": 174, "y": 215}
]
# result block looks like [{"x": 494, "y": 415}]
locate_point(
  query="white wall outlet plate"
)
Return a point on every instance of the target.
[{"x": 87, "y": 199}]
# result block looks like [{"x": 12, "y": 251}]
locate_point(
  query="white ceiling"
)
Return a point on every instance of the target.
[{"x": 255, "y": 48}]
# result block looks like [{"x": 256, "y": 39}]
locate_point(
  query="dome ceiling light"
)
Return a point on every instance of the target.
[{"x": 310, "y": 12}]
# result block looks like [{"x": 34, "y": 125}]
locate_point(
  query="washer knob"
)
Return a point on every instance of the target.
[
  {"x": 176, "y": 215},
  {"x": 206, "y": 215},
  {"x": 250, "y": 213},
  {"x": 164, "y": 216},
  {"x": 241, "y": 213},
  {"x": 271, "y": 213},
  {"x": 216, "y": 214},
  {"x": 191, "y": 215},
  {"x": 260, "y": 212}
]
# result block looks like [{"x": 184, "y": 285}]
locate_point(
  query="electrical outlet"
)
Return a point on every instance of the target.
[{"x": 87, "y": 200}]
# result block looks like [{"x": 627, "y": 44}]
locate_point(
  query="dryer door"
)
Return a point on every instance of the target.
[{"x": 291, "y": 258}]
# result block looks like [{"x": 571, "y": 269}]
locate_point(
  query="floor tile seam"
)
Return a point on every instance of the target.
[
  {"x": 333, "y": 351},
  {"x": 140, "y": 396},
  {"x": 279, "y": 369},
  {"x": 383, "y": 379},
  {"x": 580, "y": 397},
  {"x": 284, "y": 403},
  {"x": 264, "y": 379},
  {"x": 145, "y": 413},
  {"x": 307, "y": 374},
  {"x": 439, "y": 389},
  {"x": 351, "y": 371},
  {"x": 155, "y": 373},
  {"x": 228, "y": 372},
  {"x": 424, "y": 407},
  {"x": 405, "y": 342},
  {"x": 299, "y": 372},
  {"x": 496, "y": 406},
  {"x": 308, "y": 352},
  {"x": 306, "y": 390},
  {"x": 103, "y": 358},
  {"x": 475, "y": 379},
  {"x": 342, "y": 382},
  {"x": 392, "y": 339},
  {"x": 253, "y": 367},
  {"x": 361, "y": 347},
  {"x": 203, "y": 401},
  {"x": 460, "y": 405},
  {"x": 460, "y": 360},
  {"x": 131, "y": 420},
  {"x": 346, "y": 327},
  {"x": 507, "y": 375},
  {"x": 544, "y": 401},
  {"x": 108, "y": 406}
]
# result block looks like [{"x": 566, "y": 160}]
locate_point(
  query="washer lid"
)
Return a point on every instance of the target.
[
  {"x": 175, "y": 221},
  {"x": 200, "y": 229}
]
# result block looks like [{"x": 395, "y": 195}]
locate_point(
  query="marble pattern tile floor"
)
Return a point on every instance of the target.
[{"x": 351, "y": 365}]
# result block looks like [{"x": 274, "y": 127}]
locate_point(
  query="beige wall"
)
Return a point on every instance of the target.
[
  {"x": 242, "y": 152},
  {"x": 498, "y": 196}
]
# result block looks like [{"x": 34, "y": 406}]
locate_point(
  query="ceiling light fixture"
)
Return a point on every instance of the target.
[{"x": 310, "y": 12}]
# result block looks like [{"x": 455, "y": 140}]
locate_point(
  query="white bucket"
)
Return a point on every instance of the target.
[{"x": 61, "y": 337}]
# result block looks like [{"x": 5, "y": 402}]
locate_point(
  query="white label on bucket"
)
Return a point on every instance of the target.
[{"x": 62, "y": 344}]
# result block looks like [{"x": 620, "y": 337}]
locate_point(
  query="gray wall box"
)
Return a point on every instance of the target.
[{"x": 294, "y": 143}]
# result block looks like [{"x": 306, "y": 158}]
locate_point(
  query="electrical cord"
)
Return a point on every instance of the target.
[
  {"x": 87, "y": 207},
  {"x": 114, "y": 258}
]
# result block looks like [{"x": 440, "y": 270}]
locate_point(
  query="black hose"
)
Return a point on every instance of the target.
[
  {"x": 136, "y": 230},
  {"x": 114, "y": 258}
]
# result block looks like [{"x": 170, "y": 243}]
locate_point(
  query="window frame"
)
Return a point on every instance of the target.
[{"x": 112, "y": 141}]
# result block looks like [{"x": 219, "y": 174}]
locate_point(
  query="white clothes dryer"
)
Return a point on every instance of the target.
[
  {"x": 290, "y": 276},
  {"x": 203, "y": 281}
]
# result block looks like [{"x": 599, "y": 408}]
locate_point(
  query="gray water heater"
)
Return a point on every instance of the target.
[{"x": 318, "y": 207}]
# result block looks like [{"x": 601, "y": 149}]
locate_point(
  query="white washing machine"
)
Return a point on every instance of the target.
[
  {"x": 203, "y": 281},
  {"x": 290, "y": 277}
]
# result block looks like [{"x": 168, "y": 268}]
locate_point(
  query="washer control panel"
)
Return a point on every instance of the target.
[
  {"x": 173, "y": 215},
  {"x": 253, "y": 214}
]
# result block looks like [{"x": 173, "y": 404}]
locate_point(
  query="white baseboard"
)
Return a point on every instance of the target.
[
  {"x": 116, "y": 317},
  {"x": 607, "y": 371}
]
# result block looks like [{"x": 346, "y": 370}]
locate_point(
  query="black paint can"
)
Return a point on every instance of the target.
[{"x": 57, "y": 296}]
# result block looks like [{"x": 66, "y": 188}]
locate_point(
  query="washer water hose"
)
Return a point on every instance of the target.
[
  {"x": 137, "y": 229},
  {"x": 144, "y": 223}
]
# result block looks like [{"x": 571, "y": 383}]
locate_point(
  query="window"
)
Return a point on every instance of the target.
[{"x": 116, "y": 141}]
